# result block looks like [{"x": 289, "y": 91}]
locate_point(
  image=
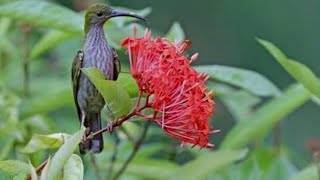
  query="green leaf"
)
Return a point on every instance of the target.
[
  {"x": 176, "y": 32},
  {"x": 240, "y": 103},
  {"x": 73, "y": 169},
  {"x": 266, "y": 117},
  {"x": 51, "y": 40},
  {"x": 14, "y": 168},
  {"x": 309, "y": 173},
  {"x": 148, "y": 168},
  {"x": 112, "y": 91},
  {"x": 129, "y": 84},
  {"x": 41, "y": 142},
  {"x": 281, "y": 168},
  {"x": 296, "y": 69},
  {"x": 64, "y": 153},
  {"x": 44, "y": 172},
  {"x": 4, "y": 26},
  {"x": 116, "y": 31},
  {"x": 316, "y": 100},
  {"x": 151, "y": 149},
  {"x": 246, "y": 79},
  {"x": 208, "y": 163},
  {"x": 39, "y": 124},
  {"x": 44, "y": 14},
  {"x": 131, "y": 128},
  {"x": 8, "y": 49},
  {"x": 262, "y": 164},
  {"x": 32, "y": 172},
  {"x": 46, "y": 102},
  {"x": 8, "y": 146}
]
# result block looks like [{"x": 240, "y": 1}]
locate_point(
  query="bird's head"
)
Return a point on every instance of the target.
[{"x": 98, "y": 14}]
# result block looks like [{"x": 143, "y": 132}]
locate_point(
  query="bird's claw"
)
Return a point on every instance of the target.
[
  {"x": 84, "y": 137},
  {"x": 110, "y": 127},
  {"x": 90, "y": 135}
]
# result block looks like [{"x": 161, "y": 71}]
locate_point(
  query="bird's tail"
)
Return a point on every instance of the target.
[{"x": 93, "y": 121}]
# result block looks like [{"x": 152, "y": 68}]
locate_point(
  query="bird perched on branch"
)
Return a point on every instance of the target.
[{"x": 96, "y": 52}]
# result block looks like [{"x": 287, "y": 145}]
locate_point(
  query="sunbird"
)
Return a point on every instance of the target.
[{"x": 96, "y": 52}]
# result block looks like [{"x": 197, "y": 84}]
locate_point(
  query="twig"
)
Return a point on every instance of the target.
[
  {"x": 134, "y": 151},
  {"x": 38, "y": 169},
  {"x": 277, "y": 139},
  {"x": 114, "y": 155},
  {"x": 25, "y": 28},
  {"x": 136, "y": 111},
  {"x": 95, "y": 166},
  {"x": 118, "y": 122}
]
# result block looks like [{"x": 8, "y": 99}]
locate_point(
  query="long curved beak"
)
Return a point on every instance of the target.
[{"x": 116, "y": 13}]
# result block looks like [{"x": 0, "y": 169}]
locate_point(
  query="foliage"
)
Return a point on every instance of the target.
[{"x": 44, "y": 126}]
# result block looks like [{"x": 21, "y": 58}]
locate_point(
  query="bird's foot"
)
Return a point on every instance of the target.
[
  {"x": 85, "y": 137},
  {"x": 110, "y": 127},
  {"x": 90, "y": 136}
]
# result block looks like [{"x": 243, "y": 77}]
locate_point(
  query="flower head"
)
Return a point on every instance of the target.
[{"x": 179, "y": 92}]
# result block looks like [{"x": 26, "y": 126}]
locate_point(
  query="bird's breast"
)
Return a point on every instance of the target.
[{"x": 99, "y": 57}]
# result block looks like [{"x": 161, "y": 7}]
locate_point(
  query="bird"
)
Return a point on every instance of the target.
[{"x": 96, "y": 52}]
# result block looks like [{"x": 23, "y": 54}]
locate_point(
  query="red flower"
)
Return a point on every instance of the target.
[{"x": 181, "y": 102}]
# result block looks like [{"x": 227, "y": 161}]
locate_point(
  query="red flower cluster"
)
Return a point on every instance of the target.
[{"x": 179, "y": 92}]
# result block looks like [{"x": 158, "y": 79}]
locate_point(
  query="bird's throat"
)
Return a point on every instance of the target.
[{"x": 94, "y": 37}]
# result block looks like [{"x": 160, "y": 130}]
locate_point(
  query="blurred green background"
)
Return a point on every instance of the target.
[{"x": 222, "y": 31}]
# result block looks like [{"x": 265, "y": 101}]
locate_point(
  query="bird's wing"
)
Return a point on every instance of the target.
[
  {"x": 116, "y": 64},
  {"x": 75, "y": 76}
]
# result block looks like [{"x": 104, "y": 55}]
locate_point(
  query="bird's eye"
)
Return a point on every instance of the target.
[{"x": 99, "y": 14}]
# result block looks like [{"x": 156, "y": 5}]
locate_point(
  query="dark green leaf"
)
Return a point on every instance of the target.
[
  {"x": 262, "y": 164},
  {"x": 8, "y": 49},
  {"x": 240, "y": 103},
  {"x": 45, "y": 14},
  {"x": 246, "y": 79},
  {"x": 281, "y": 168},
  {"x": 46, "y": 102},
  {"x": 112, "y": 91},
  {"x": 148, "y": 168},
  {"x": 50, "y": 40},
  {"x": 175, "y": 33},
  {"x": 296, "y": 69},
  {"x": 64, "y": 153},
  {"x": 208, "y": 163},
  {"x": 266, "y": 117},
  {"x": 151, "y": 149}
]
